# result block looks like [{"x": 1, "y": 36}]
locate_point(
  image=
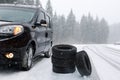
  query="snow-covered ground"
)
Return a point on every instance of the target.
[
  {"x": 106, "y": 59},
  {"x": 105, "y": 64},
  {"x": 114, "y": 46}
]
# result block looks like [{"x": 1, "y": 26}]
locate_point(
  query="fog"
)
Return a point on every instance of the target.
[
  {"x": 90, "y": 29},
  {"x": 108, "y": 9}
]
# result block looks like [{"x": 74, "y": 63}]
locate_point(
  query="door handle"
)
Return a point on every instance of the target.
[{"x": 46, "y": 34}]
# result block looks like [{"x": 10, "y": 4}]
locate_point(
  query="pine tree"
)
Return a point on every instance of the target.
[
  {"x": 93, "y": 31},
  {"x": 49, "y": 8},
  {"x": 83, "y": 29},
  {"x": 70, "y": 26},
  {"x": 105, "y": 30},
  {"x": 61, "y": 28},
  {"x": 55, "y": 27}
]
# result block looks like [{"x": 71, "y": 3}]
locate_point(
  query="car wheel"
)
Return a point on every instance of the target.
[
  {"x": 83, "y": 63},
  {"x": 48, "y": 54},
  {"x": 28, "y": 59}
]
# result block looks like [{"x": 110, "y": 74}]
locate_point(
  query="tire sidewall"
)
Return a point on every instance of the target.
[
  {"x": 83, "y": 63},
  {"x": 87, "y": 63}
]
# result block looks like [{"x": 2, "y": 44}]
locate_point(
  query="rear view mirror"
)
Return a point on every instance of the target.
[{"x": 43, "y": 23}]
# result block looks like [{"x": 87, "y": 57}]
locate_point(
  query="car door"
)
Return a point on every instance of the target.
[
  {"x": 41, "y": 31},
  {"x": 48, "y": 34}
]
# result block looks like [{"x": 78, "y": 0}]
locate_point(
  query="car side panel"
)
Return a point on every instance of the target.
[
  {"x": 40, "y": 39},
  {"x": 49, "y": 34},
  {"x": 40, "y": 33},
  {"x": 48, "y": 40}
]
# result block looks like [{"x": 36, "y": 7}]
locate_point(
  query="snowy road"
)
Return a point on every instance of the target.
[
  {"x": 105, "y": 65},
  {"x": 106, "y": 60}
]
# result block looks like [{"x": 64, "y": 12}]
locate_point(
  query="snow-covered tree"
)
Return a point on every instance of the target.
[
  {"x": 83, "y": 29},
  {"x": 61, "y": 28},
  {"x": 70, "y": 26},
  {"x": 93, "y": 31},
  {"x": 49, "y": 8},
  {"x": 105, "y": 30},
  {"x": 55, "y": 27}
]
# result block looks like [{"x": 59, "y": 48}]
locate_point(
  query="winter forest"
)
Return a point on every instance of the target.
[{"x": 86, "y": 31}]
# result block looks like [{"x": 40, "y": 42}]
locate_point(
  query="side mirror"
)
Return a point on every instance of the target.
[{"x": 43, "y": 23}]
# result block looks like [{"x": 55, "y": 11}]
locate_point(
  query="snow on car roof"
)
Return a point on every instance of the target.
[
  {"x": 19, "y": 5},
  {"x": 23, "y": 3}
]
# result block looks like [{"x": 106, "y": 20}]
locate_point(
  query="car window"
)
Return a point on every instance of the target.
[
  {"x": 48, "y": 20},
  {"x": 41, "y": 16}
]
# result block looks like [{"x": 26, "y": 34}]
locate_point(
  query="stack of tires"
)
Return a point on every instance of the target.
[{"x": 63, "y": 58}]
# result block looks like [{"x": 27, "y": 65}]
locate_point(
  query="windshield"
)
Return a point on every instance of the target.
[{"x": 16, "y": 14}]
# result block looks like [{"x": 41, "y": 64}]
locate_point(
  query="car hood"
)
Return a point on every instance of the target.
[{"x": 3, "y": 23}]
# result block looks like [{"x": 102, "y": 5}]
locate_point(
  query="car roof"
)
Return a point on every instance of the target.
[{"x": 24, "y": 6}]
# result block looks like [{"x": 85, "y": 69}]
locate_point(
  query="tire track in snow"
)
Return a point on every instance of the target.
[
  {"x": 111, "y": 59},
  {"x": 112, "y": 54},
  {"x": 113, "y": 63},
  {"x": 116, "y": 52}
]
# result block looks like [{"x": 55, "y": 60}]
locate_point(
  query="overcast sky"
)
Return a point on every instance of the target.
[{"x": 109, "y": 9}]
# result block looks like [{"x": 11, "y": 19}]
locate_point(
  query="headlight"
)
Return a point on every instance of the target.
[{"x": 11, "y": 29}]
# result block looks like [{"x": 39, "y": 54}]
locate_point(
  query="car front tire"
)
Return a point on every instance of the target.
[{"x": 28, "y": 59}]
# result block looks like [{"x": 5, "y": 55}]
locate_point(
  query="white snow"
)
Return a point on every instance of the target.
[
  {"x": 105, "y": 65},
  {"x": 106, "y": 59},
  {"x": 42, "y": 70},
  {"x": 114, "y": 46}
]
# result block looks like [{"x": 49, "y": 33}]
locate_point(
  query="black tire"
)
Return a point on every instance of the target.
[
  {"x": 57, "y": 69},
  {"x": 83, "y": 64},
  {"x": 64, "y": 51},
  {"x": 63, "y": 63},
  {"x": 27, "y": 59}
]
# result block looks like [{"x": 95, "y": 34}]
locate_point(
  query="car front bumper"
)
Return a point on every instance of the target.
[
  {"x": 17, "y": 59},
  {"x": 16, "y": 45}
]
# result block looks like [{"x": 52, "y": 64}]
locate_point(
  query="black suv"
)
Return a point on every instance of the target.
[{"x": 25, "y": 33}]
